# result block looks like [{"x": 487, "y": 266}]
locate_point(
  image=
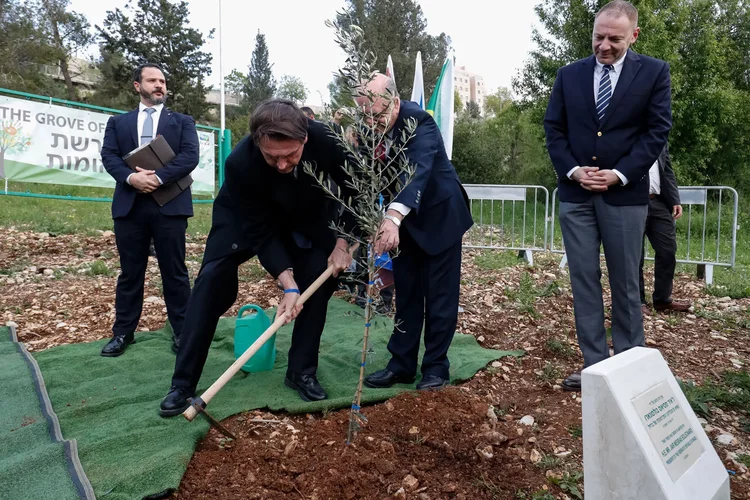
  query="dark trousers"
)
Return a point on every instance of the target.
[
  {"x": 215, "y": 291},
  {"x": 133, "y": 234},
  {"x": 660, "y": 230},
  {"x": 585, "y": 228},
  {"x": 427, "y": 289}
]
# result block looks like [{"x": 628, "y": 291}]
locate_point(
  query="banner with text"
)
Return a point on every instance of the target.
[{"x": 45, "y": 143}]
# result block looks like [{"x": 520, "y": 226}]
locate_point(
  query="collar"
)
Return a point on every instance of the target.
[
  {"x": 157, "y": 107},
  {"x": 617, "y": 64}
]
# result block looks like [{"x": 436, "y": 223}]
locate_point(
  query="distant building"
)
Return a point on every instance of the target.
[{"x": 470, "y": 86}]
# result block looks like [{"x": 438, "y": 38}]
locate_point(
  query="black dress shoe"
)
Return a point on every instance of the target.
[
  {"x": 116, "y": 346},
  {"x": 307, "y": 386},
  {"x": 573, "y": 382},
  {"x": 431, "y": 382},
  {"x": 175, "y": 402},
  {"x": 175, "y": 344},
  {"x": 382, "y": 379}
]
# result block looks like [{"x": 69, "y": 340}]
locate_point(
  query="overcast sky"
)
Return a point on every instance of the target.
[{"x": 494, "y": 45}]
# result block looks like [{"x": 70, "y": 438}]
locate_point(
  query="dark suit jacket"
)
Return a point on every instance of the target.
[
  {"x": 633, "y": 133},
  {"x": 670, "y": 193},
  {"x": 120, "y": 139},
  {"x": 439, "y": 205},
  {"x": 258, "y": 208}
]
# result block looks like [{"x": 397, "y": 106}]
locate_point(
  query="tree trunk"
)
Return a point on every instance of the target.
[
  {"x": 66, "y": 75},
  {"x": 53, "y": 21}
]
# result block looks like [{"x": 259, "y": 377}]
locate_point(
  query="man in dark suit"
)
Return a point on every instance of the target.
[
  {"x": 138, "y": 218},
  {"x": 426, "y": 221},
  {"x": 663, "y": 210},
  {"x": 269, "y": 207},
  {"x": 608, "y": 119}
]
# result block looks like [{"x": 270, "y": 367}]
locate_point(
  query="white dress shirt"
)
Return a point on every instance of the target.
[
  {"x": 654, "y": 180},
  {"x": 141, "y": 120},
  {"x": 614, "y": 76}
]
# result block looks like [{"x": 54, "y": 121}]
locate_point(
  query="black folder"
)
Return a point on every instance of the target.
[{"x": 155, "y": 155}]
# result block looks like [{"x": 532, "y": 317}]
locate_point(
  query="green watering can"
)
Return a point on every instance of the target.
[{"x": 247, "y": 330}]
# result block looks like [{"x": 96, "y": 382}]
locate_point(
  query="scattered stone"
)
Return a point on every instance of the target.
[
  {"x": 107, "y": 234},
  {"x": 389, "y": 406},
  {"x": 494, "y": 438},
  {"x": 492, "y": 416},
  {"x": 48, "y": 272},
  {"x": 691, "y": 316},
  {"x": 410, "y": 482},
  {"x": 532, "y": 439},
  {"x": 703, "y": 422},
  {"x": 535, "y": 457},
  {"x": 449, "y": 487},
  {"x": 485, "y": 452},
  {"x": 290, "y": 447},
  {"x": 725, "y": 299},
  {"x": 330, "y": 443},
  {"x": 414, "y": 430},
  {"x": 400, "y": 493},
  {"x": 527, "y": 420},
  {"x": 387, "y": 447},
  {"x": 61, "y": 324},
  {"x": 726, "y": 439},
  {"x": 496, "y": 364}
]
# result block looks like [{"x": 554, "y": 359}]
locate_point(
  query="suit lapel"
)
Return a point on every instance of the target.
[
  {"x": 587, "y": 84},
  {"x": 132, "y": 121},
  {"x": 166, "y": 115},
  {"x": 630, "y": 68}
]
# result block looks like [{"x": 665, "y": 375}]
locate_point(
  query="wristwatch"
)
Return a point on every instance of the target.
[{"x": 394, "y": 219}]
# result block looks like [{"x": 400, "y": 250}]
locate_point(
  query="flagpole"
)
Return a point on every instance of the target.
[{"x": 221, "y": 79}]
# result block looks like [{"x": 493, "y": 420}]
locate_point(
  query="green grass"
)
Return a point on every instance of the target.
[
  {"x": 559, "y": 348},
  {"x": 68, "y": 217},
  {"x": 732, "y": 392},
  {"x": 575, "y": 431},
  {"x": 100, "y": 268},
  {"x": 569, "y": 483},
  {"x": 744, "y": 460},
  {"x": 550, "y": 373},
  {"x": 548, "y": 462},
  {"x": 493, "y": 260}
]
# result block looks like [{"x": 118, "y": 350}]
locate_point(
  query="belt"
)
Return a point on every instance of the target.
[{"x": 652, "y": 196}]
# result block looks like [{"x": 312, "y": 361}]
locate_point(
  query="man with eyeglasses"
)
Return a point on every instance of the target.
[{"x": 269, "y": 207}]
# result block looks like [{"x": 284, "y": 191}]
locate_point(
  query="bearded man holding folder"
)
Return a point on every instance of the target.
[{"x": 138, "y": 216}]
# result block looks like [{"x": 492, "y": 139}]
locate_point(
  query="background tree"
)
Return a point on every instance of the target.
[
  {"x": 24, "y": 49},
  {"x": 496, "y": 103},
  {"x": 458, "y": 104},
  {"x": 292, "y": 88},
  {"x": 473, "y": 110},
  {"x": 260, "y": 84},
  {"x": 398, "y": 28},
  {"x": 69, "y": 34},
  {"x": 154, "y": 31}
]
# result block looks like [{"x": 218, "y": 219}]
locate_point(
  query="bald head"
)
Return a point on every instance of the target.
[{"x": 378, "y": 99}]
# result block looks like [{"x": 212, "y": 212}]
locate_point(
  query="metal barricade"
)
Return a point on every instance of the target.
[
  {"x": 508, "y": 217},
  {"x": 706, "y": 232}
]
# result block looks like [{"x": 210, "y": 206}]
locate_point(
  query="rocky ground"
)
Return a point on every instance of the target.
[{"x": 509, "y": 433}]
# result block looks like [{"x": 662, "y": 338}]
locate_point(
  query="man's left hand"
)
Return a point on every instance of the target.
[
  {"x": 340, "y": 258},
  {"x": 387, "y": 237},
  {"x": 676, "y": 212},
  {"x": 605, "y": 178}
]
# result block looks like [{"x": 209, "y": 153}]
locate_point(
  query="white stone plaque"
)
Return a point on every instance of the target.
[
  {"x": 668, "y": 427},
  {"x": 641, "y": 438}
]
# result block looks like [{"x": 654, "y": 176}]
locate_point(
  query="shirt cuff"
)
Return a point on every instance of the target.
[
  {"x": 158, "y": 179},
  {"x": 623, "y": 179},
  {"x": 400, "y": 208},
  {"x": 570, "y": 172},
  {"x": 127, "y": 179}
]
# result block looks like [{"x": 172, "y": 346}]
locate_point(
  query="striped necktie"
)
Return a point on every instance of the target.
[
  {"x": 148, "y": 126},
  {"x": 605, "y": 92}
]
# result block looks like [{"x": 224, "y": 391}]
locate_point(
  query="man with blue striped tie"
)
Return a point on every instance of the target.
[
  {"x": 138, "y": 218},
  {"x": 608, "y": 118}
]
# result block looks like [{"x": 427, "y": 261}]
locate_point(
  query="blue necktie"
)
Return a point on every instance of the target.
[
  {"x": 148, "y": 126},
  {"x": 605, "y": 92}
]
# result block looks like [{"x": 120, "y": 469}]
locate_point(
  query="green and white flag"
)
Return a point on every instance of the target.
[{"x": 441, "y": 105}]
